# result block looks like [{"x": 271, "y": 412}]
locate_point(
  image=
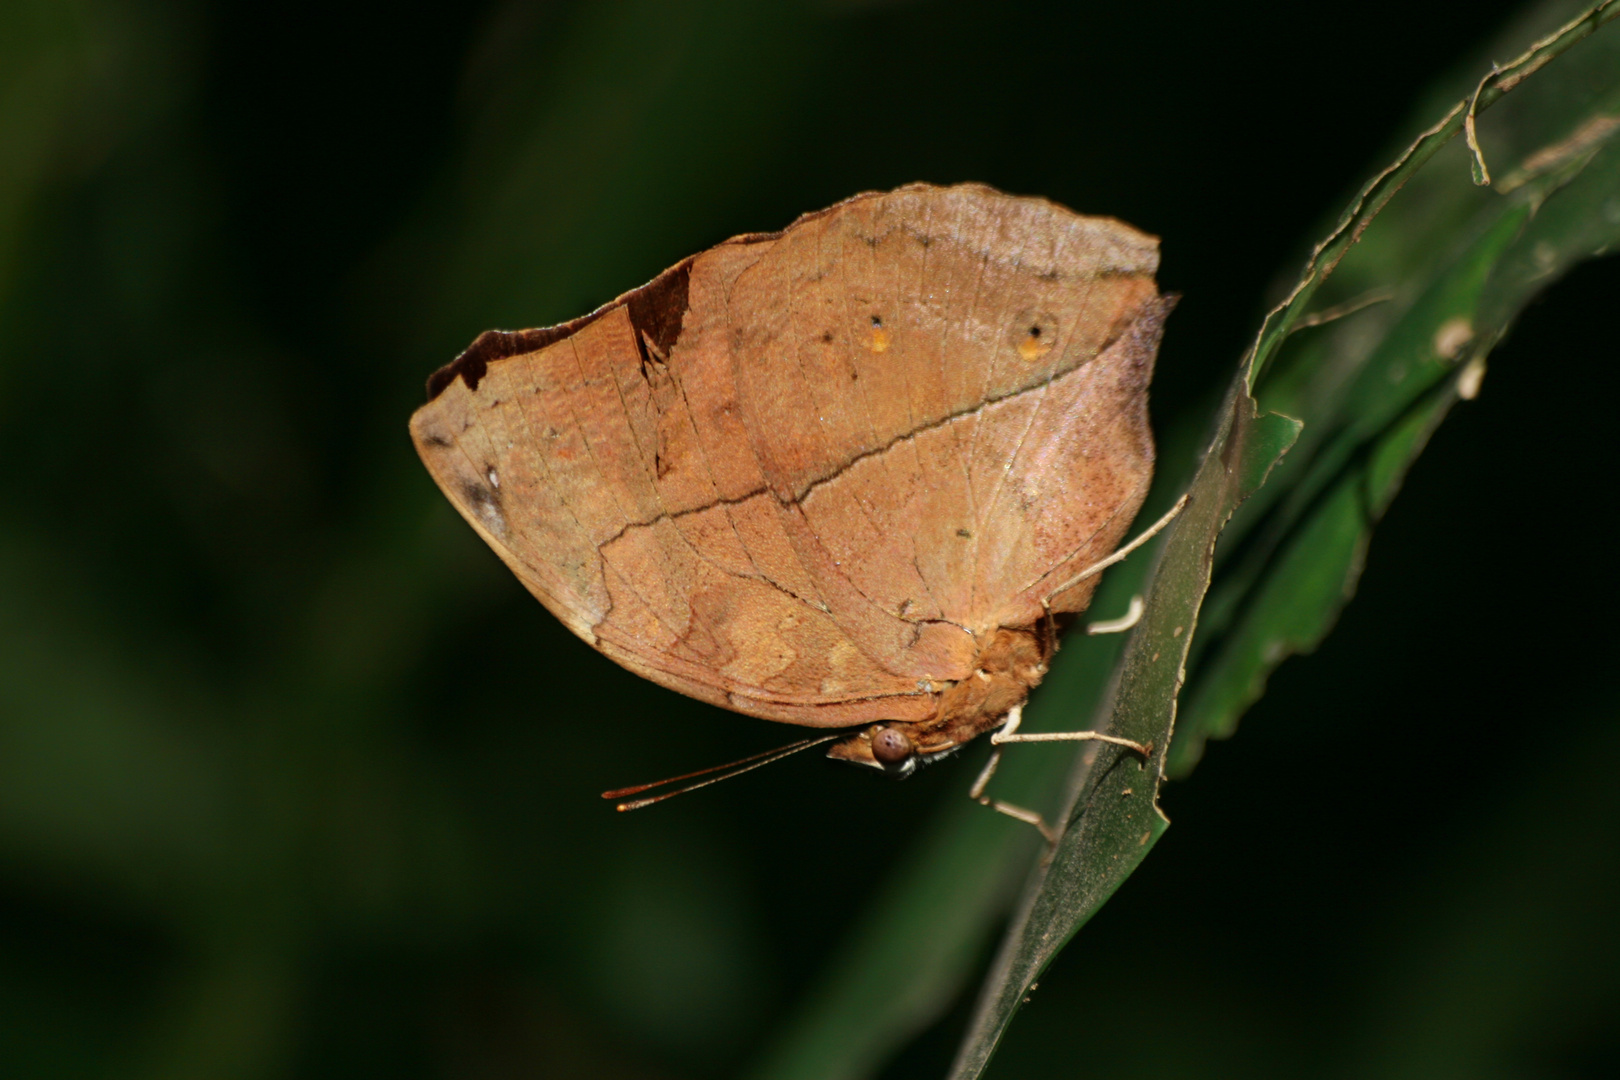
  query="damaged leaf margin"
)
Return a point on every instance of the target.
[{"x": 1372, "y": 197}]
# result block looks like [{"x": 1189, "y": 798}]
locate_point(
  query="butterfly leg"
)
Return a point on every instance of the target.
[
  {"x": 1098, "y": 567},
  {"x": 1132, "y": 616},
  {"x": 976, "y": 792},
  {"x": 1009, "y": 733},
  {"x": 1002, "y": 737}
]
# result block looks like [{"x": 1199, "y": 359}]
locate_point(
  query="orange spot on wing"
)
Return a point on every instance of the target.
[{"x": 1032, "y": 347}]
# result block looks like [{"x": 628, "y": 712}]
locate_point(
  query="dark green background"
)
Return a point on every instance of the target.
[{"x": 295, "y": 780}]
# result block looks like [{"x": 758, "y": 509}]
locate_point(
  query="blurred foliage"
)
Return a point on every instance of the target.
[{"x": 296, "y": 781}]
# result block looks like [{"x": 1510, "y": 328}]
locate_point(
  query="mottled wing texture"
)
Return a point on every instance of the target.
[{"x": 796, "y": 475}]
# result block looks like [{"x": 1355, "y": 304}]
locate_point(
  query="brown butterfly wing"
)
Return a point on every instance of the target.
[{"x": 796, "y": 474}]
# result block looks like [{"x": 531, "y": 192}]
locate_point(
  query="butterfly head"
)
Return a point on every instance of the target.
[{"x": 1008, "y": 664}]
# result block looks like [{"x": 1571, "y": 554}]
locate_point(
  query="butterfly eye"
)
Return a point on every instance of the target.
[{"x": 890, "y": 746}]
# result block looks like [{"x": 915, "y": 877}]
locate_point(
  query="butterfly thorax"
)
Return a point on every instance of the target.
[{"x": 1009, "y": 663}]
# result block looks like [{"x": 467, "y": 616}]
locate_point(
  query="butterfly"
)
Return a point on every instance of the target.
[{"x": 842, "y": 476}]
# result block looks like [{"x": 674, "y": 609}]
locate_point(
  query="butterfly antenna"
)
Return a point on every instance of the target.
[{"x": 737, "y": 768}]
